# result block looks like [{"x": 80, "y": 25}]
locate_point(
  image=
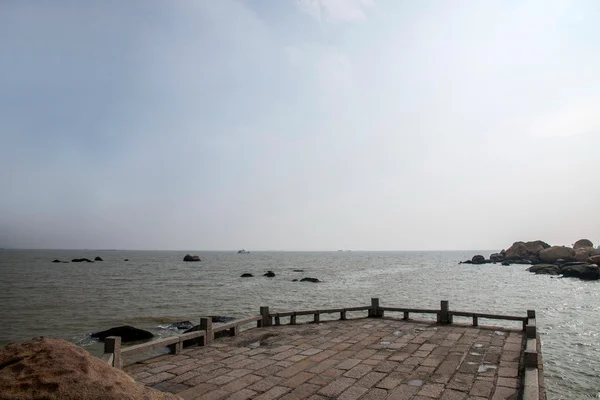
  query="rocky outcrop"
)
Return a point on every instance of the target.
[
  {"x": 582, "y": 271},
  {"x": 545, "y": 269},
  {"x": 77, "y": 260},
  {"x": 56, "y": 261},
  {"x": 98, "y": 259},
  {"x": 246, "y": 275},
  {"x": 54, "y": 369},
  {"x": 551, "y": 254},
  {"x": 191, "y": 257},
  {"x": 595, "y": 259},
  {"x": 517, "y": 250},
  {"x": 126, "y": 332},
  {"x": 581, "y": 243},
  {"x": 525, "y": 250},
  {"x": 269, "y": 274},
  {"x": 534, "y": 247},
  {"x": 584, "y": 253}
]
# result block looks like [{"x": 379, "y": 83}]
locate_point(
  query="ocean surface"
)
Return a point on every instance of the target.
[{"x": 154, "y": 288}]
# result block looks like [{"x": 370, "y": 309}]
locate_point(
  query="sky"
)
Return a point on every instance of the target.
[{"x": 298, "y": 124}]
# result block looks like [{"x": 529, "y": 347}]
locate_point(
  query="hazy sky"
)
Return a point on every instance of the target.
[{"x": 298, "y": 124}]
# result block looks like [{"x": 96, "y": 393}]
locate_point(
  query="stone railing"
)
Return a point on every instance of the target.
[{"x": 532, "y": 359}]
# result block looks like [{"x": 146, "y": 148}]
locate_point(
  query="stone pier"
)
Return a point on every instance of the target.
[{"x": 367, "y": 358}]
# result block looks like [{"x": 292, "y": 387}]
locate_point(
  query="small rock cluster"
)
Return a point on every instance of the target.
[{"x": 579, "y": 261}]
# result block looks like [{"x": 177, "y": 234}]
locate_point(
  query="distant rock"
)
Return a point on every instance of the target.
[
  {"x": 506, "y": 263},
  {"x": 315, "y": 280},
  {"x": 269, "y": 274},
  {"x": 498, "y": 257},
  {"x": 581, "y": 243},
  {"x": 56, "y": 261},
  {"x": 534, "y": 247},
  {"x": 127, "y": 259},
  {"x": 298, "y": 270},
  {"x": 54, "y": 369},
  {"x": 246, "y": 275},
  {"x": 76, "y": 260},
  {"x": 478, "y": 259},
  {"x": 126, "y": 332},
  {"x": 554, "y": 253},
  {"x": 191, "y": 257},
  {"x": 98, "y": 259},
  {"x": 294, "y": 280},
  {"x": 539, "y": 267}
]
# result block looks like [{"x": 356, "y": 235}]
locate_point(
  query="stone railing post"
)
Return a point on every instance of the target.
[
  {"x": 206, "y": 326},
  {"x": 375, "y": 311},
  {"x": 112, "y": 344},
  {"x": 444, "y": 317},
  {"x": 266, "y": 319}
]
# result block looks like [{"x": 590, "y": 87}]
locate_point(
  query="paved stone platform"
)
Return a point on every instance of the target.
[{"x": 363, "y": 359}]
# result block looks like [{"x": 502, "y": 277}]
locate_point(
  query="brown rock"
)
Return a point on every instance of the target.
[
  {"x": 595, "y": 259},
  {"x": 584, "y": 253},
  {"x": 581, "y": 243},
  {"x": 536, "y": 246},
  {"x": 551, "y": 254},
  {"x": 517, "y": 250},
  {"x": 52, "y": 369}
]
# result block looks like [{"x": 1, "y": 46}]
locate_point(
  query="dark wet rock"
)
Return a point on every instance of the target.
[
  {"x": 478, "y": 259},
  {"x": 126, "y": 332},
  {"x": 595, "y": 259},
  {"x": 76, "y": 260},
  {"x": 246, "y": 275},
  {"x": 181, "y": 325},
  {"x": 582, "y": 271},
  {"x": 127, "y": 259},
  {"x": 269, "y": 274},
  {"x": 315, "y": 280},
  {"x": 294, "y": 280},
  {"x": 498, "y": 257},
  {"x": 522, "y": 261},
  {"x": 221, "y": 319},
  {"x": 298, "y": 270},
  {"x": 554, "y": 253},
  {"x": 466, "y": 262},
  {"x": 582, "y": 243},
  {"x": 98, "y": 259},
  {"x": 56, "y": 261},
  {"x": 505, "y": 263},
  {"x": 539, "y": 267},
  {"x": 191, "y": 257},
  {"x": 560, "y": 261},
  {"x": 554, "y": 270}
]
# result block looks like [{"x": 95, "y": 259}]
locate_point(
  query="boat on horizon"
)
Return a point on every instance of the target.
[{"x": 242, "y": 251}]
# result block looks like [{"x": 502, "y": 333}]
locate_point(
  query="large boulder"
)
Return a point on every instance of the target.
[
  {"x": 191, "y": 257},
  {"x": 478, "y": 259},
  {"x": 548, "y": 269},
  {"x": 269, "y": 274},
  {"x": 595, "y": 259},
  {"x": 551, "y": 254},
  {"x": 54, "y": 369},
  {"x": 584, "y": 253},
  {"x": 246, "y": 275},
  {"x": 582, "y": 243},
  {"x": 516, "y": 251},
  {"x": 582, "y": 271},
  {"x": 98, "y": 258},
  {"x": 315, "y": 280},
  {"x": 534, "y": 247},
  {"x": 126, "y": 332}
]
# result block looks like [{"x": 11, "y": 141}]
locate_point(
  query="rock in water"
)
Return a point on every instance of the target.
[
  {"x": 315, "y": 280},
  {"x": 534, "y": 247},
  {"x": 181, "y": 325},
  {"x": 76, "y": 260},
  {"x": 246, "y": 275},
  {"x": 56, "y": 261},
  {"x": 127, "y": 333},
  {"x": 554, "y": 253},
  {"x": 191, "y": 257},
  {"x": 54, "y": 369},
  {"x": 583, "y": 271},
  {"x": 269, "y": 274},
  {"x": 582, "y": 243},
  {"x": 98, "y": 259},
  {"x": 478, "y": 259},
  {"x": 584, "y": 253}
]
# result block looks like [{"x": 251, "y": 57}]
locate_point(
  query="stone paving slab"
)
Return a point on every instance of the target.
[{"x": 371, "y": 358}]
